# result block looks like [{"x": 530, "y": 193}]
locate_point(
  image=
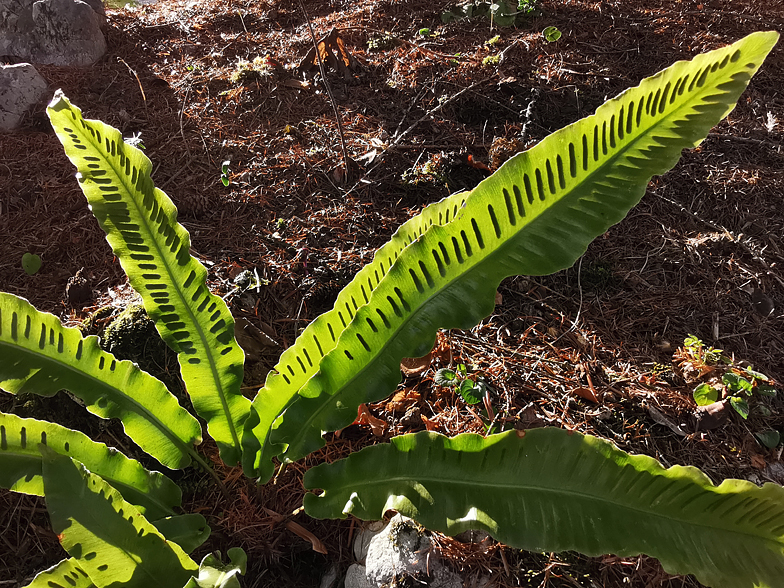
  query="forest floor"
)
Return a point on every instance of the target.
[{"x": 598, "y": 348}]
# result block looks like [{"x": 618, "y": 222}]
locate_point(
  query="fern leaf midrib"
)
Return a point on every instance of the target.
[
  {"x": 101, "y": 384},
  {"x": 388, "y": 482},
  {"x": 206, "y": 343}
]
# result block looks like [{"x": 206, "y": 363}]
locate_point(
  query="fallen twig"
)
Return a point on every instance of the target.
[{"x": 329, "y": 91}]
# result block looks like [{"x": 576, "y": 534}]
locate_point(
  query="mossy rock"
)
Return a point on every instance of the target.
[
  {"x": 132, "y": 335},
  {"x": 93, "y": 324}
]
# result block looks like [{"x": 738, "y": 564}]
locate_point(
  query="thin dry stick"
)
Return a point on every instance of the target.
[
  {"x": 138, "y": 81},
  {"x": 329, "y": 89},
  {"x": 399, "y": 137}
]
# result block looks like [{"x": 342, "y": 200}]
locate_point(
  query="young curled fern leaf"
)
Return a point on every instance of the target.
[
  {"x": 42, "y": 356},
  {"x": 536, "y": 215},
  {"x": 553, "y": 490},
  {"x": 141, "y": 226},
  {"x": 300, "y": 361}
]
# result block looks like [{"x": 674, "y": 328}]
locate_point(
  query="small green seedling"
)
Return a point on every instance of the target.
[
  {"x": 736, "y": 384},
  {"x": 527, "y": 7},
  {"x": 552, "y": 34},
  {"x": 500, "y": 12},
  {"x": 472, "y": 391},
  {"x": 493, "y": 40},
  {"x": 425, "y": 32},
  {"x": 31, "y": 263},
  {"x": 225, "y": 172}
]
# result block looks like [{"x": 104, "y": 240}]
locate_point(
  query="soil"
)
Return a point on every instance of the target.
[{"x": 597, "y": 348}]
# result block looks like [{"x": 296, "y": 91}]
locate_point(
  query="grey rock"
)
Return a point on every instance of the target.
[
  {"x": 328, "y": 580},
  {"x": 400, "y": 550},
  {"x": 56, "y": 32},
  {"x": 21, "y": 86},
  {"x": 363, "y": 538},
  {"x": 356, "y": 577}
]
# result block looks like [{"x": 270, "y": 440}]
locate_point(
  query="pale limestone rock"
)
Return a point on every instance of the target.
[
  {"x": 399, "y": 550},
  {"x": 21, "y": 86}
]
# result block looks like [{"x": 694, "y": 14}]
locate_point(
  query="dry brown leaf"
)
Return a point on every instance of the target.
[
  {"x": 413, "y": 366},
  {"x": 298, "y": 530},
  {"x": 758, "y": 461},
  {"x": 299, "y": 84},
  {"x": 301, "y": 531},
  {"x": 377, "y": 426},
  {"x": 711, "y": 416},
  {"x": 429, "y": 425},
  {"x": 402, "y": 400},
  {"x": 586, "y": 393}
]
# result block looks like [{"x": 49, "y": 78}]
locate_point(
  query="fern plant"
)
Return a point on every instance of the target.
[{"x": 543, "y": 489}]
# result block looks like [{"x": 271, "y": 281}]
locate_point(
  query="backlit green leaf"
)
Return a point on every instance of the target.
[
  {"x": 555, "y": 490},
  {"x": 535, "y": 215},
  {"x": 154, "y": 494},
  {"x": 41, "y": 356},
  {"x": 107, "y": 536},
  {"x": 141, "y": 226},
  {"x": 705, "y": 394},
  {"x": 552, "y": 34},
  {"x": 66, "y": 573}
]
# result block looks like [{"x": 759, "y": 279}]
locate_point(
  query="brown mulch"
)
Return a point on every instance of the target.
[{"x": 590, "y": 348}]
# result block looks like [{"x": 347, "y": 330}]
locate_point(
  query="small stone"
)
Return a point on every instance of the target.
[
  {"x": 403, "y": 549},
  {"x": 363, "y": 538},
  {"x": 356, "y": 577}
]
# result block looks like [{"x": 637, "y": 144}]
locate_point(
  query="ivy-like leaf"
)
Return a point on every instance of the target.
[
  {"x": 737, "y": 384},
  {"x": 740, "y": 406},
  {"x": 705, "y": 394},
  {"x": 445, "y": 377}
]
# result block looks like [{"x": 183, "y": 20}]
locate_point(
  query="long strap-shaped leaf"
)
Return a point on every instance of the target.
[
  {"x": 300, "y": 361},
  {"x": 552, "y": 490},
  {"x": 155, "y": 495},
  {"x": 110, "y": 539},
  {"x": 535, "y": 215},
  {"x": 42, "y": 356},
  {"x": 21, "y": 464},
  {"x": 66, "y": 573},
  {"x": 141, "y": 225}
]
